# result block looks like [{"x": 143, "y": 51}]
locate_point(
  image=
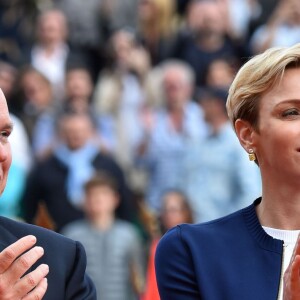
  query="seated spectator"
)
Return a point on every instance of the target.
[
  {"x": 220, "y": 73},
  {"x": 50, "y": 52},
  {"x": 204, "y": 38},
  {"x": 175, "y": 210},
  {"x": 92, "y": 23},
  {"x": 35, "y": 99},
  {"x": 79, "y": 89},
  {"x": 157, "y": 27},
  {"x": 216, "y": 174},
  {"x": 119, "y": 93},
  {"x": 58, "y": 179},
  {"x": 168, "y": 130},
  {"x": 114, "y": 252},
  {"x": 239, "y": 15}
]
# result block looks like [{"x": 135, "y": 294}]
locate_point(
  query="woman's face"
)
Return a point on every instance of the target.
[
  {"x": 173, "y": 211},
  {"x": 277, "y": 144}
]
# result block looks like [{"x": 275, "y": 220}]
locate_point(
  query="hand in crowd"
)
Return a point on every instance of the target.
[
  {"x": 15, "y": 261},
  {"x": 291, "y": 280},
  {"x": 147, "y": 118},
  {"x": 139, "y": 61}
]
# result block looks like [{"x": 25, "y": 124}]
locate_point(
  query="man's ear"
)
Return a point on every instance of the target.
[{"x": 244, "y": 132}]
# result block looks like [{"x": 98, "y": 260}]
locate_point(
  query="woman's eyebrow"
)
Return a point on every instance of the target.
[
  {"x": 295, "y": 101},
  {"x": 8, "y": 125}
]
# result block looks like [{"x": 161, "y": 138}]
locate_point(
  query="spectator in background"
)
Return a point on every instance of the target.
[
  {"x": 265, "y": 10},
  {"x": 35, "y": 98},
  {"x": 216, "y": 174},
  {"x": 79, "y": 89},
  {"x": 281, "y": 29},
  {"x": 58, "y": 179},
  {"x": 50, "y": 52},
  {"x": 204, "y": 38},
  {"x": 220, "y": 73},
  {"x": 79, "y": 92},
  {"x": 168, "y": 130},
  {"x": 175, "y": 210},
  {"x": 157, "y": 27},
  {"x": 86, "y": 35},
  {"x": 114, "y": 252},
  {"x": 119, "y": 93},
  {"x": 239, "y": 15}
]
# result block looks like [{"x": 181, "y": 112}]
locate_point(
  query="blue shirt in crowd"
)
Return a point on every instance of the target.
[{"x": 217, "y": 176}]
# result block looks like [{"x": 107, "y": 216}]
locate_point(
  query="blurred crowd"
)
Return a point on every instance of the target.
[{"x": 120, "y": 126}]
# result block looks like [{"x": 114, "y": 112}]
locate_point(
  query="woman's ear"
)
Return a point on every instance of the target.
[{"x": 244, "y": 132}]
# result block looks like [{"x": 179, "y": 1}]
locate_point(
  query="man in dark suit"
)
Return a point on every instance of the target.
[
  {"x": 36, "y": 263},
  {"x": 58, "y": 179}
]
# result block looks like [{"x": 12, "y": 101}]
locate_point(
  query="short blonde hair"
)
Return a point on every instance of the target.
[{"x": 255, "y": 78}]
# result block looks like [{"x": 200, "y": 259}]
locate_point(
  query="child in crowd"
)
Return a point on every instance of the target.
[{"x": 114, "y": 253}]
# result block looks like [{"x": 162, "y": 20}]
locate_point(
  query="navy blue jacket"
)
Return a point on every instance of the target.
[
  {"x": 66, "y": 260},
  {"x": 231, "y": 258}
]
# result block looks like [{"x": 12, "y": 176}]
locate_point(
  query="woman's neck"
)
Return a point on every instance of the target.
[{"x": 280, "y": 207}]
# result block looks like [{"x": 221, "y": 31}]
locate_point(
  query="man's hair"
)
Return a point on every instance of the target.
[
  {"x": 176, "y": 64},
  {"x": 255, "y": 78}
]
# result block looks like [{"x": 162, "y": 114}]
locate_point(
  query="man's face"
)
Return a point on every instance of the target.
[
  {"x": 78, "y": 84},
  {"x": 52, "y": 27},
  {"x": 5, "y": 151},
  {"x": 76, "y": 131},
  {"x": 176, "y": 88}
]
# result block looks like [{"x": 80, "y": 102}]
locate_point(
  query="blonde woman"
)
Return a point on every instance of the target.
[
  {"x": 252, "y": 253},
  {"x": 157, "y": 24}
]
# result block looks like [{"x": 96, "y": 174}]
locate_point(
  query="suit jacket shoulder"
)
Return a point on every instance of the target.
[{"x": 65, "y": 257}]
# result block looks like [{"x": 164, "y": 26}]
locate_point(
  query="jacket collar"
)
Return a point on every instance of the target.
[{"x": 264, "y": 240}]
